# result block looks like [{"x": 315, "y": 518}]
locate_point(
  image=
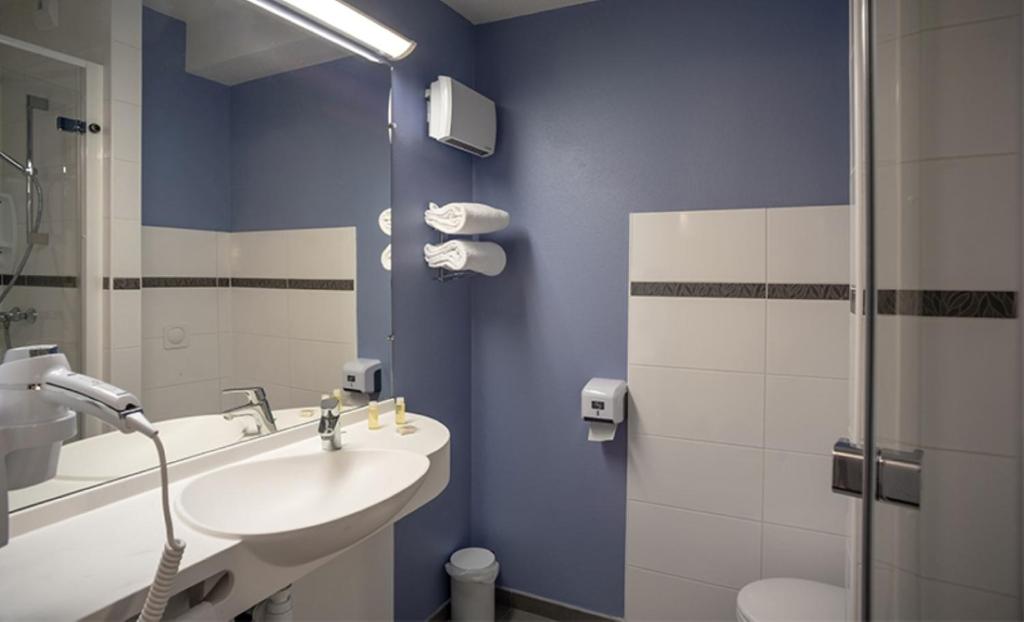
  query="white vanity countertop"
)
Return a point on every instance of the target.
[
  {"x": 88, "y": 564},
  {"x": 100, "y": 459}
]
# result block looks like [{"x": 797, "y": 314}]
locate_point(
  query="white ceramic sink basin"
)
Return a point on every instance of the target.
[{"x": 295, "y": 509}]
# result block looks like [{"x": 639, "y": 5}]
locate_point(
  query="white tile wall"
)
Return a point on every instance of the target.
[
  {"x": 701, "y": 405},
  {"x": 316, "y": 315},
  {"x": 183, "y": 400},
  {"x": 123, "y": 57},
  {"x": 257, "y": 254},
  {"x": 162, "y": 367},
  {"x": 194, "y": 308},
  {"x": 734, "y": 407},
  {"x": 808, "y": 244},
  {"x": 697, "y": 333},
  {"x": 292, "y": 342},
  {"x": 957, "y": 64},
  {"x": 721, "y": 550},
  {"x": 798, "y": 492},
  {"x": 674, "y": 472},
  {"x": 656, "y": 596},
  {"x": 970, "y": 531},
  {"x": 971, "y": 368},
  {"x": 804, "y": 554},
  {"x": 805, "y": 414},
  {"x": 321, "y": 253},
  {"x": 180, "y": 252},
  {"x": 257, "y": 311},
  {"x": 808, "y": 338},
  {"x": 687, "y": 246},
  {"x": 986, "y": 236}
]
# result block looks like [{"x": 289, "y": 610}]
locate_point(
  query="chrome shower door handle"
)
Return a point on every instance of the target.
[
  {"x": 897, "y": 473},
  {"x": 847, "y": 468},
  {"x": 899, "y": 477}
]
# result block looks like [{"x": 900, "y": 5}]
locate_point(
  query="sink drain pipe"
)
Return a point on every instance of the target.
[{"x": 277, "y": 608}]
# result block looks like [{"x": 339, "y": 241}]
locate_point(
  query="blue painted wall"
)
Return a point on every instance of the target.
[
  {"x": 431, "y": 319},
  {"x": 186, "y": 137},
  {"x": 605, "y": 109},
  {"x": 309, "y": 148}
]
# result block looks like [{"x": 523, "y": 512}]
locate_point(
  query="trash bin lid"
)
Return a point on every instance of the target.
[{"x": 473, "y": 558}]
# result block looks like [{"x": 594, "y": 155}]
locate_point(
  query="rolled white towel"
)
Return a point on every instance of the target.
[
  {"x": 466, "y": 218},
  {"x": 385, "y": 258},
  {"x": 484, "y": 257},
  {"x": 384, "y": 221}
]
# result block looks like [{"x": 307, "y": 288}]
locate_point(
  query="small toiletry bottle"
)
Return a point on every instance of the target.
[
  {"x": 338, "y": 395},
  {"x": 399, "y": 411},
  {"x": 373, "y": 415}
]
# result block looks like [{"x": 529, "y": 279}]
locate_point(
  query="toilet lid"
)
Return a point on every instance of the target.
[{"x": 790, "y": 600}]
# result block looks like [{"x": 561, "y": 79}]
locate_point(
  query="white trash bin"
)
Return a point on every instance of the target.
[{"x": 473, "y": 572}]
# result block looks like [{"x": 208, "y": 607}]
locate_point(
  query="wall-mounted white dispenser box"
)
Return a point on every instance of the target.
[
  {"x": 460, "y": 117},
  {"x": 603, "y": 405},
  {"x": 361, "y": 376}
]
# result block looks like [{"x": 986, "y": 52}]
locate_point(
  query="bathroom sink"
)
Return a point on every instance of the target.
[{"x": 295, "y": 509}]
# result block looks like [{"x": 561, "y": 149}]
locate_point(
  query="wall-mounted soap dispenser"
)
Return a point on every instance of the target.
[
  {"x": 603, "y": 405},
  {"x": 362, "y": 376}
]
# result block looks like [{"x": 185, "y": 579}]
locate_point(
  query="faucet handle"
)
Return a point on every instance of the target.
[
  {"x": 329, "y": 415},
  {"x": 253, "y": 394},
  {"x": 328, "y": 427}
]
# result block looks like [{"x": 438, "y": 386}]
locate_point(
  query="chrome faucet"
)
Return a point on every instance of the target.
[
  {"x": 255, "y": 403},
  {"x": 330, "y": 433}
]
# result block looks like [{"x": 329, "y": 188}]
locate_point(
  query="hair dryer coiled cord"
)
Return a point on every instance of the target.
[{"x": 160, "y": 590}]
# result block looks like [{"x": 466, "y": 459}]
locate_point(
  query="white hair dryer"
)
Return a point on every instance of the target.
[{"x": 39, "y": 396}]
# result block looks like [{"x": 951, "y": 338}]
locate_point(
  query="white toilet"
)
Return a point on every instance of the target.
[{"x": 790, "y": 600}]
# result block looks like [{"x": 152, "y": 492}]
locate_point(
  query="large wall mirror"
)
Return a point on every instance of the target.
[{"x": 246, "y": 168}]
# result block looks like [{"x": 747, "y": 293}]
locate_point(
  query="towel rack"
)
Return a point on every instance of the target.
[{"x": 444, "y": 275}]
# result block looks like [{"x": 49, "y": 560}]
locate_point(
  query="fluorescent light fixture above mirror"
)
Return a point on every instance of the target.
[{"x": 342, "y": 25}]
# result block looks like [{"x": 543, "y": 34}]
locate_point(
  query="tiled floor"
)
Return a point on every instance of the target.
[{"x": 504, "y": 614}]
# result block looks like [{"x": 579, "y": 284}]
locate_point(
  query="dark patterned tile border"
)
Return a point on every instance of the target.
[
  {"x": 776, "y": 291},
  {"x": 346, "y": 285},
  {"x": 41, "y": 280},
  {"x": 150, "y": 282},
  {"x": 260, "y": 282},
  {"x": 127, "y": 283},
  {"x": 697, "y": 290},
  {"x": 179, "y": 281},
  {"x": 808, "y": 291},
  {"x": 948, "y": 303},
  {"x": 926, "y": 303}
]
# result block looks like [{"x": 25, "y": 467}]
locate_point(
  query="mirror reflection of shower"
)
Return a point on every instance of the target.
[
  {"x": 43, "y": 181},
  {"x": 34, "y": 209}
]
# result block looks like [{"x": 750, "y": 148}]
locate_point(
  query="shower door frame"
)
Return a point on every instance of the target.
[
  {"x": 862, "y": 48},
  {"x": 93, "y": 213}
]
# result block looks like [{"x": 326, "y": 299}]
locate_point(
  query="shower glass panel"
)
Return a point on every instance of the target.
[
  {"x": 41, "y": 190},
  {"x": 945, "y": 195}
]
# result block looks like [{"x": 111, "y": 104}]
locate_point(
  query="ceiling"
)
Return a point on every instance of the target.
[
  {"x": 231, "y": 41},
  {"x": 483, "y": 11}
]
